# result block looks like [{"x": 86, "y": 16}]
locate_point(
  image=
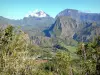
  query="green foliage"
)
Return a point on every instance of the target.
[
  {"x": 89, "y": 56},
  {"x": 18, "y": 56},
  {"x": 60, "y": 64},
  {"x": 13, "y": 52}
]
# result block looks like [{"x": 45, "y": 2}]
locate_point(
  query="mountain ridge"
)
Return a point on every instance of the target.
[
  {"x": 80, "y": 16},
  {"x": 33, "y": 19},
  {"x": 66, "y": 24},
  {"x": 70, "y": 22}
]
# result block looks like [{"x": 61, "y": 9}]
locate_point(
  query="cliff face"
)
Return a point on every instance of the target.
[
  {"x": 63, "y": 27},
  {"x": 74, "y": 24}
]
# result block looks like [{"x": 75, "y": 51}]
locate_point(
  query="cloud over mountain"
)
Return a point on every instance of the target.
[{"x": 37, "y": 13}]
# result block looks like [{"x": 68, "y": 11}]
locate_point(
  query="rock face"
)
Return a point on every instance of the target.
[
  {"x": 68, "y": 26},
  {"x": 63, "y": 27},
  {"x": 74, "y": 24},
  {"x": 87, "y": 33}
]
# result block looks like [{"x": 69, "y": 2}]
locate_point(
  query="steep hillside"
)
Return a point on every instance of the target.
[
  {"x": 71, "y": 23},
  {"x": 87, "y": 33},
  {"x": 63, "y": 27}
]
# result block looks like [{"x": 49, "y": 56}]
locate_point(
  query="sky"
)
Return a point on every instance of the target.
[{"x": 17, "y": 9}]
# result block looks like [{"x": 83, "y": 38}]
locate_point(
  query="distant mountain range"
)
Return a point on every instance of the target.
[
  {"x": 35, "y": 19},
  {"x": 68, "y": 24},
  {"x": 33, "y": 23}
]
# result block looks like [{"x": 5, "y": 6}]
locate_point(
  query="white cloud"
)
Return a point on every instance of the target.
[{"x": 34, "y": 13}]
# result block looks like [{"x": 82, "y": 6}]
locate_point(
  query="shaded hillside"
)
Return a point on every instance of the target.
[
  {"x": 63, "y": 27},
  {"x": 87, "y": 33},
  {"x": 71, "y": 23}
]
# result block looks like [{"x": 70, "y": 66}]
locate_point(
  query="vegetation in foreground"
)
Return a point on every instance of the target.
[{"x": 18, "y": 56}]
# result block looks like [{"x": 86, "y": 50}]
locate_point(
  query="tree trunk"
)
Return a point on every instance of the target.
[
  {"x": 98, "y": 66},
  {"x": 71, "y": 70}
]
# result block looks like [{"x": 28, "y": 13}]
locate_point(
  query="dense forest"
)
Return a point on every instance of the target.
[{"x": 19, "y": 56}]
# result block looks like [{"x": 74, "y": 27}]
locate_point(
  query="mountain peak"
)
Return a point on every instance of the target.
[{"x": 37, "y": 13}]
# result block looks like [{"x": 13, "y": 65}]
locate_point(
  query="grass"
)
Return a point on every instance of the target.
[{"x": 72, "y": 50}]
